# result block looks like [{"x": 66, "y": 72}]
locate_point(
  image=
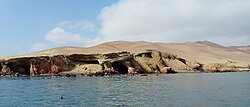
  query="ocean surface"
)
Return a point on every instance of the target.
[{"x": 175, "y": 90}]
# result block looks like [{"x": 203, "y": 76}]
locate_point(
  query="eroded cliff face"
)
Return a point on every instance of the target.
[
  {"x": 153, "y": 62},
  {"x": 111, "y": 63},
  {"x": 49, "y": 65}
]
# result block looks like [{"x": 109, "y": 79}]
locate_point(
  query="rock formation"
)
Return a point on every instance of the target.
[
  {"x": 117, "y": 62},
  {"x": 111, "y": 63}
]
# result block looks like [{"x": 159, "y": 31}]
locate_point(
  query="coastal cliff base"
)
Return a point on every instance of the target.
[{"x": 150, "y": 61}]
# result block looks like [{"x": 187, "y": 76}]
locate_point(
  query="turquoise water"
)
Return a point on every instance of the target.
[{"x": 177, "y": 90}]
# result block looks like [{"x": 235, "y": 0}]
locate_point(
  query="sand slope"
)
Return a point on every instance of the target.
[{"x": 201, "y": 51}]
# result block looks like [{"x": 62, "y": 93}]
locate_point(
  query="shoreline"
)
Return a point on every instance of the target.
[{"x": 110, "y": 75}]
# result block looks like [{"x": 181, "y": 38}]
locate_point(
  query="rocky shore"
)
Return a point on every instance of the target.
[{"x": 144, "y": 62}]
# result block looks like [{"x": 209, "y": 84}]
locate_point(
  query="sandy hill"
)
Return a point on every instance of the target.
[
  {"x": 242, "y": 48},
  {"x": 201, "y": 51}
]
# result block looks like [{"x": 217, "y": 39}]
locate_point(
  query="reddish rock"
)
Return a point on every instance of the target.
[
  {"x": 49, "y": 66},
  {"x": 40, "y": 66},
  {"x": 59, "y": 64}
]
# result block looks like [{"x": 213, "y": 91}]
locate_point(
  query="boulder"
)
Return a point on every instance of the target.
[
  {"x": 167, "y": 70},
  {"x": 194, "y": 65},
  {"x": 176, "y": 64}
]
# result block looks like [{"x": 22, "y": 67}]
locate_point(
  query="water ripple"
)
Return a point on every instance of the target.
[{"x": 178, "y": 90}]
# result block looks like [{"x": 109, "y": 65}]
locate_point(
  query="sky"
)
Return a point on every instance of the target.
[{"x": 28, "y": 26}]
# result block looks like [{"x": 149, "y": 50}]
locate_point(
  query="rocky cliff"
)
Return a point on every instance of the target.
[
  {"x": 85, "y": 64},
  {"x": 111, "y": 63},
  {"x": 138, "y": 58}
]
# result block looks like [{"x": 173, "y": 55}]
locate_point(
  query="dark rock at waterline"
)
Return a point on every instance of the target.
[
  {"x": 67, "y": 75},
  {"x": 144, "y": 75}
]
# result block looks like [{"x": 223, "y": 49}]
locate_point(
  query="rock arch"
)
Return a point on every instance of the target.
[{"x": 120, "y": 67}]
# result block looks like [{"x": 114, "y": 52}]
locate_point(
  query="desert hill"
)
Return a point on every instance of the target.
[
  {"x": 242, "y": 48},
  {"x": 201, "y": 51},
  {"x": 139, "y": 57}
]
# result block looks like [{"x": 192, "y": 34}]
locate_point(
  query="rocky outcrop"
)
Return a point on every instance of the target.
[
  {"x": 49, "y": 65},
  {"x": 218, "y": 67},
  {"x": 18, "y": 65},
  {"x": 153, "y": 62},
  {"x": 149, "y": 61}
]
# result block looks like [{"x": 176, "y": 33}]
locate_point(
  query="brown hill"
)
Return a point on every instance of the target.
[
  {"x": 131, "y": 57},
  {"x": 242, "y": 48},
  {"x": 201, "y": 51}
]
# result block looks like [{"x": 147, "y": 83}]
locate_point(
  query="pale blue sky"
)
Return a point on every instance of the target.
[
  {"x": 32, "y": 25},
  {"x": 25, "y": 22}
]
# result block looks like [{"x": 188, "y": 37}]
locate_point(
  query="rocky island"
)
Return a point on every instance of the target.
[{"x": 123, "y": 57}]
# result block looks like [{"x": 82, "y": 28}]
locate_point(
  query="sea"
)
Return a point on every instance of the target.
[{"x": 162, "y": 90}]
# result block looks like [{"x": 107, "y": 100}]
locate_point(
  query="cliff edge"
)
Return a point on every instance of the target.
[{"x": 122, "y": 57}]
